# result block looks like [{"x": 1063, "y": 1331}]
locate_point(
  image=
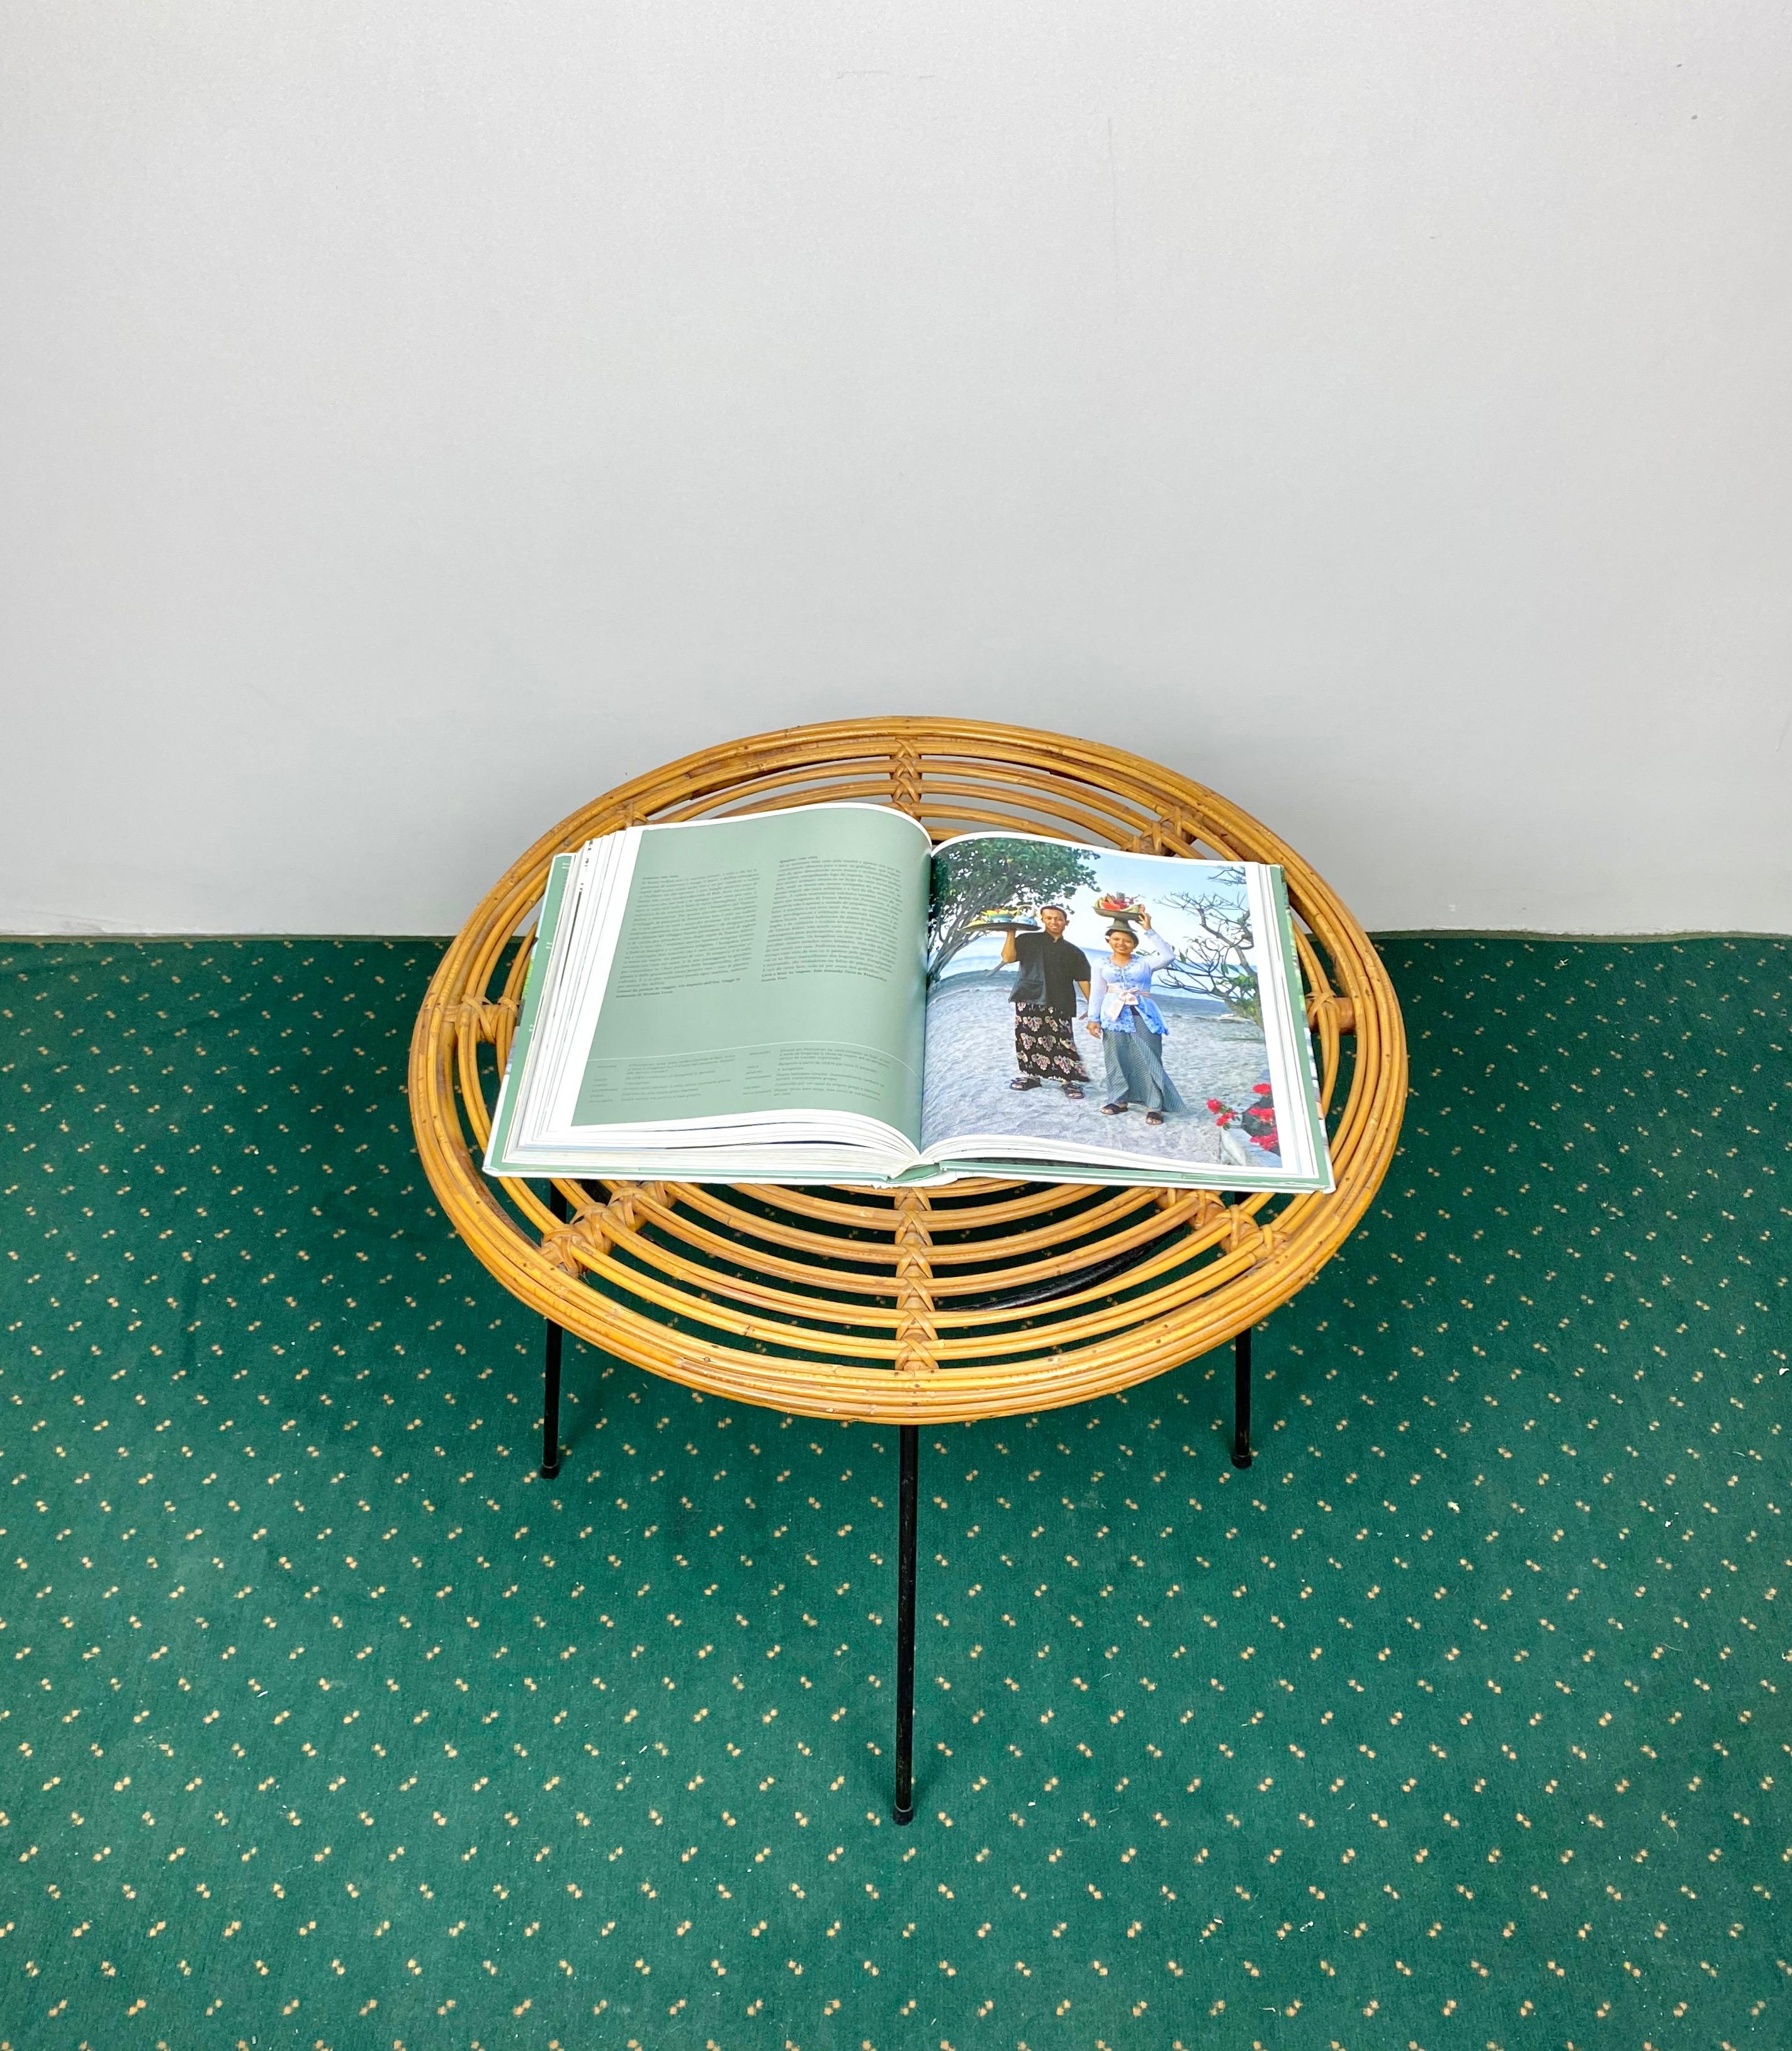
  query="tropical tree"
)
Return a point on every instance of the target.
[
  {"x": 1217, "y": 962},
  {"x": 980, "y": 876}
]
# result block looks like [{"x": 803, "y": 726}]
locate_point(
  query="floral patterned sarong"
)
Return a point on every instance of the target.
[{"x": 1045, "y": 1046}]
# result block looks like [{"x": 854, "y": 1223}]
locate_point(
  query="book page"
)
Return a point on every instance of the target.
[
  {"x": 523, "y": 1040},
  {"x": 766, "y": 964},
  {"x": 1148, "y": 1018}
]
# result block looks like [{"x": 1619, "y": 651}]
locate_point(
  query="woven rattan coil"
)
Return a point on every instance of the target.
[{"x": 982, "y": 1299}]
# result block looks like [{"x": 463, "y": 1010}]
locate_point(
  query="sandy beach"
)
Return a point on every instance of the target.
[{"x": 970, "y": 1064}]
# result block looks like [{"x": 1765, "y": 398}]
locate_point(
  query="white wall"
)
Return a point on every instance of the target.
[{"x": 415, "y": 418}]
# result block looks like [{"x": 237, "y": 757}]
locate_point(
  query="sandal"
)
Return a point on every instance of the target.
[
  {"x": 1024, "y": 1082},
  {"x": 1112, "y": 1110},
  {"x": 1071, "y": 1089},
  {"x": 1154, "y": 1117}
]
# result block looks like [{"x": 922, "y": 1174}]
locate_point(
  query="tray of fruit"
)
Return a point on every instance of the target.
[
  {"x": 1005, "y": 919},
  {"x": 1116, "y": 906}
]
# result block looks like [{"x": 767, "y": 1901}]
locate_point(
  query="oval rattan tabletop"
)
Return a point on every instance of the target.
[{"x": 981, "y": 1299}]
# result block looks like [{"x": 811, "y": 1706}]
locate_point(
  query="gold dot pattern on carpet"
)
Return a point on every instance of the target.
[{"x": 1460, "y": 1720}]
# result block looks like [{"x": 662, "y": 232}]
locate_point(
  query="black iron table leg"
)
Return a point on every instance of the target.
[
  {"x": 904, "y": 1808},
  {"x": 1241, "y": 1398},
  {"x": 550, "y": 1391}
]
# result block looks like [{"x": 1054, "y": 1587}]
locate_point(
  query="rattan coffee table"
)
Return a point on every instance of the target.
[{"x": 982, "y": 1299}]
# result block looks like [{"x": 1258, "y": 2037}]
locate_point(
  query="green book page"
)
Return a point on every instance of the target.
[
  {"x": 1305, "y": 1059},
  {"x": 772, "y": 963},
  {"x": 545, "y": 927}
]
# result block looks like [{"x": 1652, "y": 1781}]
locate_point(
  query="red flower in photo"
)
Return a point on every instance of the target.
[{"x": 1256, "y": 1118}]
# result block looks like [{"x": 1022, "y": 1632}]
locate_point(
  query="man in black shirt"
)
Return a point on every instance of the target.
[{"x": 1044, "y": 997}]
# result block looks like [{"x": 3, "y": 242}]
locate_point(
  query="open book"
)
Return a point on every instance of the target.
[{"x": 821, "y": 995}]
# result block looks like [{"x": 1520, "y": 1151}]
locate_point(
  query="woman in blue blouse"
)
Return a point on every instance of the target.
[{"x": 1124, "y": 1016}]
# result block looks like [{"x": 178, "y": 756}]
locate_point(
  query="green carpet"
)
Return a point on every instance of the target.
[{"x": 1462, "y": 1720}]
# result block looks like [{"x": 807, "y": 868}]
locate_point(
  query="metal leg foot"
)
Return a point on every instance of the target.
[
  {"x": 550, "y": 1389},
  {"x": 1241, "y": 1398},
  {"x": 904, "y": 1806}
]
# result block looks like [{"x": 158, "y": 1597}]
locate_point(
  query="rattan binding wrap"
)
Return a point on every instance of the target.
[{"x": 909, "y": 1308}]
